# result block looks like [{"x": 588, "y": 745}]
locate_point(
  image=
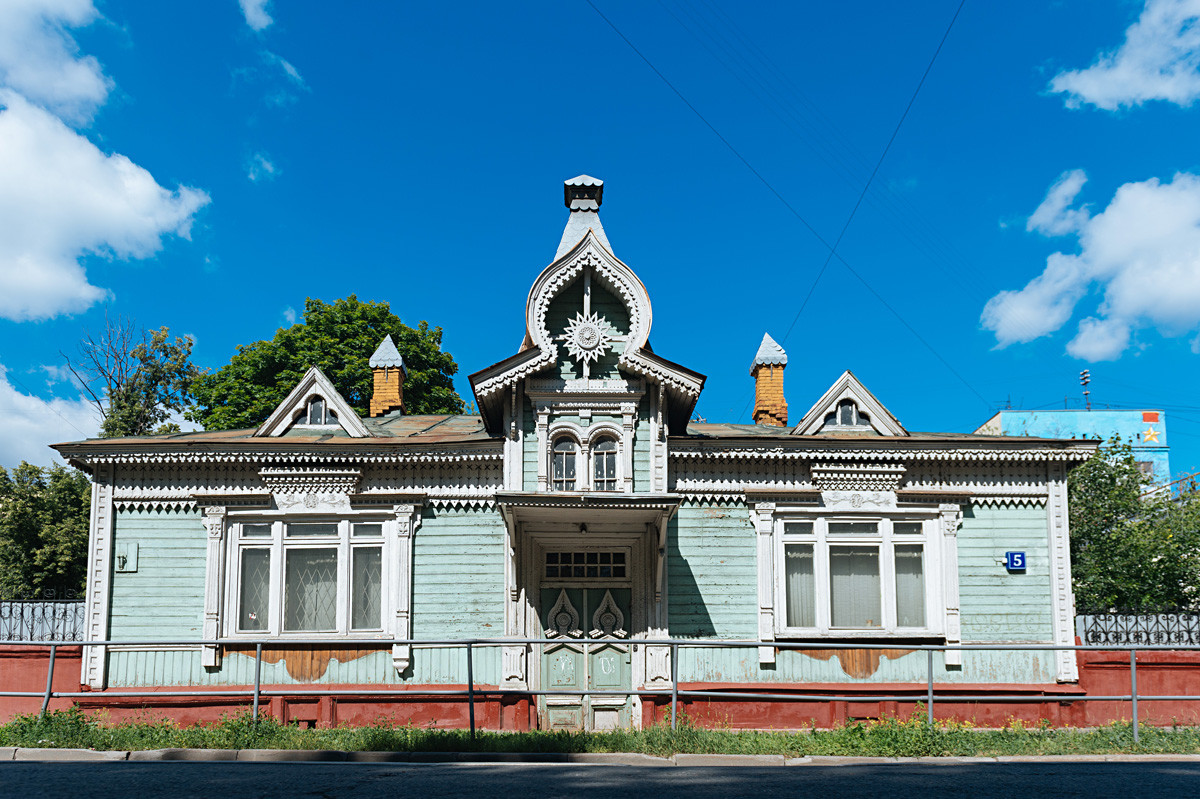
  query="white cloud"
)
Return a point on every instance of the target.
[
  {"x": 39, "y": 59},
  {"x": 289, "y": 315},
  {"x": 32, "y": 423},
  {"x": 1159, "y": 60},
  {"x": 261, "y": 168},
  {"x": 255, "y": 12},
  {"x": 1142, "y": 252},
  {"x": 1054, "y": 216},
  {"x": 62, "y": 198},
  {"x": 288, "y": 69}
]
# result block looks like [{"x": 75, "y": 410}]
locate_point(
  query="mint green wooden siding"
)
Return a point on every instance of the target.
[
  {"x": 741, "y": 666},
  {"x": 996, "y": 605},
  {"x": 164, "y": 598},
  {"x": 532, "y": 447},
  {"x": 712, "y": 572},
  {"x": 458, "y": 589},
  {"x": 430, "y": 666},
  {"x": 641, "y": 450}
]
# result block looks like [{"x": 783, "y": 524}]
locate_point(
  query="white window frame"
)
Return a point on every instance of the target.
[
  {"x": 885, "y": 539},
  {"x": 345, "y": 543}
]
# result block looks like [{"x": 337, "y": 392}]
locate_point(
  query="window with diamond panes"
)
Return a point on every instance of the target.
[
  {"x": 330, "y": 581},
  {"x": 586, "y": 565}
]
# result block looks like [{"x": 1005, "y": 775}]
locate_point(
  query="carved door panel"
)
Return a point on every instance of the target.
[
  {"x": 608, "y": 659},
  {"x": 590, "y": 652},
  {"x": 564, "y": 666}
]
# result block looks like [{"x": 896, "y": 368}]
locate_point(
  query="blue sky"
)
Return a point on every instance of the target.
[{"x": 208, "y": 166}]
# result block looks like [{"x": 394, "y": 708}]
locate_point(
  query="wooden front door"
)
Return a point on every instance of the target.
[{"x": 588, "y": 627}]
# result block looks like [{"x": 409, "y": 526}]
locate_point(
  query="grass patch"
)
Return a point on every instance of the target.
[{"x": 890, "y": 737}]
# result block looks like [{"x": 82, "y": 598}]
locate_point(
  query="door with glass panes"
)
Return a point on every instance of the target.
[{"x": 585, "y": 601}]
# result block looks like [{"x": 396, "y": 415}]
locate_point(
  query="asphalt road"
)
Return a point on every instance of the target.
[{"x": 365, "y": 781}]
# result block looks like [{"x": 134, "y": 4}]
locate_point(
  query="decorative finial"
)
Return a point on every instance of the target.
[{"x": 583, "y": 193}]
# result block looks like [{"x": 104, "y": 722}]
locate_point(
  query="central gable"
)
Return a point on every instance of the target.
[{"x": 587, "y": 317}]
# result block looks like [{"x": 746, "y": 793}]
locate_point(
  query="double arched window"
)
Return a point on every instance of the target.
[{"x": 603, "y": 470}]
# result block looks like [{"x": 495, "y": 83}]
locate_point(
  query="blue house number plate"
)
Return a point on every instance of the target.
[{"x": 1014, "y": 561}]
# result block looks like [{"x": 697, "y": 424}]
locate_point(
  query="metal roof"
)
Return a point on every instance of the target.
[
  {"x": 770, "y": 353},
  {"x": 387, "y": 355}
]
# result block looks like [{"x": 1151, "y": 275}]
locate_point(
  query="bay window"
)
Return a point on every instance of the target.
[
  {"x": 307, "y": 577},
  {"x": 856, "y": 576}
]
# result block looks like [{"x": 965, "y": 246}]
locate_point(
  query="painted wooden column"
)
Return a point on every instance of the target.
[
  {"x": 543, "y": 445},
  {"x": 764, "y": 526},
  {"x": 408, "y": 519},
  {"x": 658, "y": 658},
  {"x": 512, "y": 657},
  {"x": 950, "y": 517},
  {"x": 99, "y": 580},
  {"x": 214, "y": 580},
  {"x": 628, "y": 413},
  {"x": 1063, "y": 620}
]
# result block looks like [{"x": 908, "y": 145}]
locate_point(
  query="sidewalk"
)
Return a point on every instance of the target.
[{"x": 597, "y": 758}]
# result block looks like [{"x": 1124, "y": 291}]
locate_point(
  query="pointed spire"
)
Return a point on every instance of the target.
[
  {"x": 583, "y": 195},
  {"x": 770, "y": 353},
  {"x": 386, "y": 355}
]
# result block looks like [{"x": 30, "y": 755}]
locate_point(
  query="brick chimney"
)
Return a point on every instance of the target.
[
  {"x": 769, "y": 405},
  {"x": 389, "y": 371}
]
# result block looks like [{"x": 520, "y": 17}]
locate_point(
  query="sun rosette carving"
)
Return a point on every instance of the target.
[
  {"x": 608, "y": 620},
  {"x": 563, "y": 619},
  {"x": 587, "y": 337}
]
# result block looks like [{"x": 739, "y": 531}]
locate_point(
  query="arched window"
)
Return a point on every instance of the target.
[
  {"x": 562, "y": 464},
  {"x": 847, "y": 414},
  {"x": 316, "y": 411},
  {"x": 604, "y": 464}
]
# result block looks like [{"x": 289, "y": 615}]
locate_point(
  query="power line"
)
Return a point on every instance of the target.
[
  {"x": 8, "y": 376},
  {"x": 866, "y": 186},
  {"x": 832, "y": 248}
]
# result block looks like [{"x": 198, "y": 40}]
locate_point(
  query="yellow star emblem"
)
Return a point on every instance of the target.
[{"x": 1150, "y": 435}]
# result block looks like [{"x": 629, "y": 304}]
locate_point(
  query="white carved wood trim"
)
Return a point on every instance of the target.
[
  {"x": 408, "y": 519},
  {"x": 950, "y": 519},
  {"x": 763, "y": 518},
  {"x": 848, "y": 387},
  {"x": 512, "y": 657},
  {"x": 99, "y": 585},
  {"x": 214, "y": 583},
  {"x": 1063, "y": 620}
]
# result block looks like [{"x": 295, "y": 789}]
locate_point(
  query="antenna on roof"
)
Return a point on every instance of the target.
[{"x": 1085, "y": 377}]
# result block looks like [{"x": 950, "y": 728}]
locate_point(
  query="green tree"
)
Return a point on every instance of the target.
[
  {"x": 1132, "y": 547},
  {"x": 43, "y": 530},
  {"x": 339, "y": 338},
  {"x": 135, "y": 378}
]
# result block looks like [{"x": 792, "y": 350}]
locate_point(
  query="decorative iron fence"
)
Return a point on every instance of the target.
[
  {"x": 1133, "y": 629},
  {"x": 41, "y": 621}
]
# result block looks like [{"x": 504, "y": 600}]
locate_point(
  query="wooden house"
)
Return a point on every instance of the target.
[{"x": 584, "y": 506}]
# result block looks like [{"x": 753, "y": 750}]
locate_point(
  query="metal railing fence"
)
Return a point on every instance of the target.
[
  {"x": 472, "y": 692},
  {"x": 41, "y": 620}
]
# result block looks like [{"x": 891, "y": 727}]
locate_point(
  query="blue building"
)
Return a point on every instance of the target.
[{"x": 1145, "y": 430}]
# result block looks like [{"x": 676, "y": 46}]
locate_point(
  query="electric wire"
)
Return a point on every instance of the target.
[{"x": 766, "y": 183}]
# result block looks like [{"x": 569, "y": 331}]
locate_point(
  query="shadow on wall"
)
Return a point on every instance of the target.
[{"x": 687, "y": 612}]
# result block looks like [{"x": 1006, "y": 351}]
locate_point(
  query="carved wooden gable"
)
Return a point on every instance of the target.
[
  {"x": 314, "y": 406},
  {"x": 849, "y": 408}
]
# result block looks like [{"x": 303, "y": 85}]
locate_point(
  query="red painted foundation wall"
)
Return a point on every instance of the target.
[{"x": 1100, "y": 674}]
